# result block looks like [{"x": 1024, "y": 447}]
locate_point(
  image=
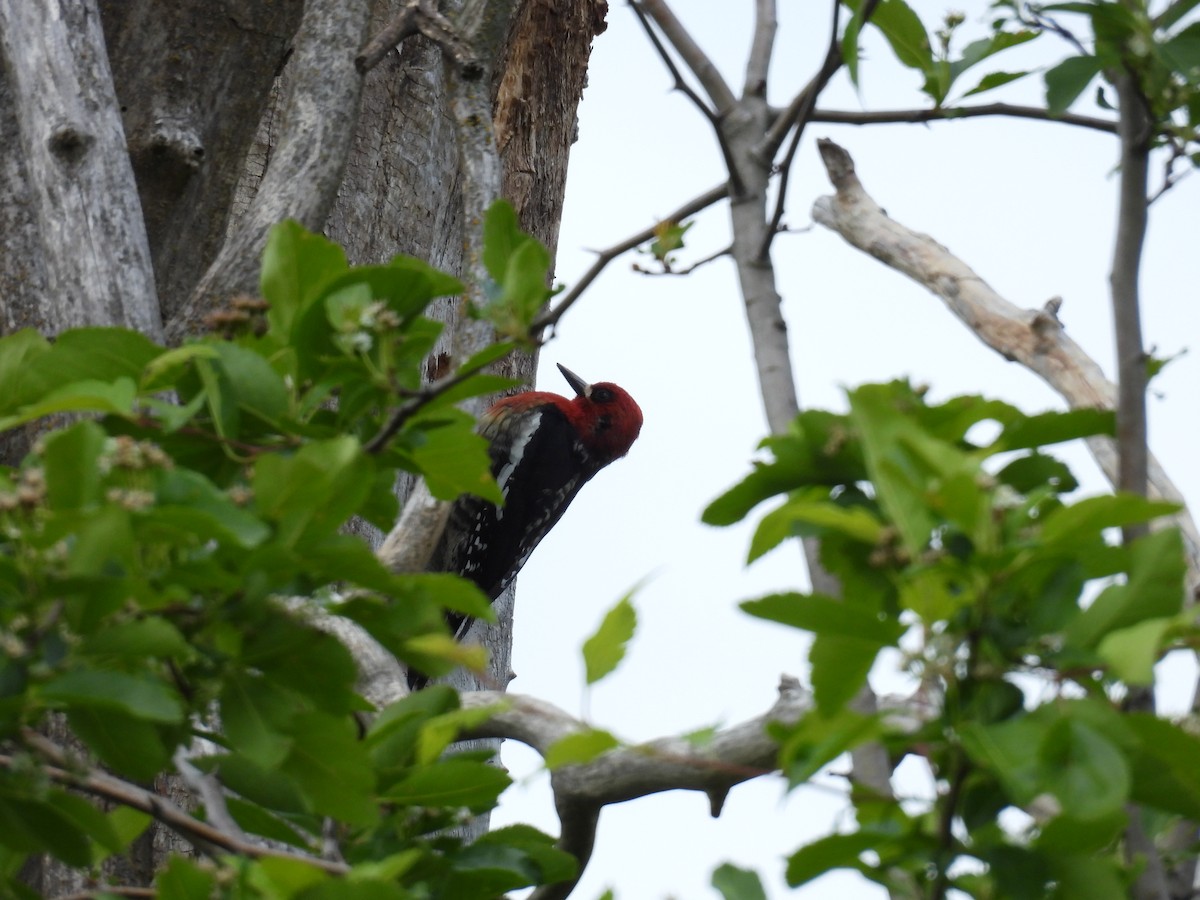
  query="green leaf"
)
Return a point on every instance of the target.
[
  {"x": 1132, "y": 652},
  {"x": 1154, "y": 589},
  {"x": 454, "y": 459},
  {"x": 840, "y": 666},
  {"x": 184, "y": 879},
  {"x": 1070, "y": 78},
  {"x": 18, "y": 378},
  {"x": 254, "y": 717},
  {"x": 1080, "y": 522},
  {"x": 296, "y": 265},
  {"x": 837, "y": 851},
  {"x": 450, "y": 783},
  {"x": 800, "y": 517},
  {"x": 605, "y": 649},
  {"x": 817, "y": 740},
  {"x": 1094, "y": 877},
  {"x": 72, "y": 474},
  {"x": 737, "y": 884},
  {"x": 502, "y": 236},
  {"x": 993, "y": 80},
  {"x": 905, "y": 34},
  {"x": 1026, "y": 432},
  {"x": 152, "y": 637},
  {"x": 553, "y": 864},
  {"x": 138, "y": 696},
  {"x": 313, "y": 491},
  {"x": 1165, "y": 774},
  {"x": 128, "y": 745},
  {"x": 257, "y": 387},
  {"x": 580, "y": 747},
  {"x": 1087, "y": 773},
  {"x": 1010, "y": 749},
  {"x": 331, "y": 766},
  {"x": 213, "y": 515},
  {"x": 116, "y": 398},
  {"x": 822, "y": 614},
  {"x": 31, "y": 825}
]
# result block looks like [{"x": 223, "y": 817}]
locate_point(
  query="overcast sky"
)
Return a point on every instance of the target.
[{"x": 1029, "y": 206}]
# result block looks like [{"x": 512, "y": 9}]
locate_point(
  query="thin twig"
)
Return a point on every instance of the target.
[
  {"x": 949, "y": 113},
  {"x": 550, "y": 317},
  {"x": 202, "y": 835},
  {"x": 686, "y": 270},
  {"x": 420, "y": 399},
  {"x": 799, "y": 113},
  {"x": 714, "y": 116},
  {"x": 696, "y": 59}
]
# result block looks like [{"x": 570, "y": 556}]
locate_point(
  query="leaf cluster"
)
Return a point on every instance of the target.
[
  {"x": 1020, "y": 624},
  {"x": 149, "y": 544}
]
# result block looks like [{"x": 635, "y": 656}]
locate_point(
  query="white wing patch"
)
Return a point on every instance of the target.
[{"x": 529, "y": 425}]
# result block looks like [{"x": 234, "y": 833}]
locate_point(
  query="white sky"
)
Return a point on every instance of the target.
[{"x": 1029, "y": 206}]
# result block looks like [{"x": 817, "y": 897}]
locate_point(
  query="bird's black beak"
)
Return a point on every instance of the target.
[{"x": 577, "y": 384}]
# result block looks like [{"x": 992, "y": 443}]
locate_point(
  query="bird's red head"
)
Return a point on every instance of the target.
[{"x": 606, "y": 417}]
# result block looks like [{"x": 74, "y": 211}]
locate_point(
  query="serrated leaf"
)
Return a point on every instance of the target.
[
  {"x": 580, "y": 747},
  {"x": 605, "y": 649}
]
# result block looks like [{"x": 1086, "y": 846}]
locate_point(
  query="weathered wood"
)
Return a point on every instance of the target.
[
  {"x": 95, "y": 258},
  {"x": 193, "y": 78}
]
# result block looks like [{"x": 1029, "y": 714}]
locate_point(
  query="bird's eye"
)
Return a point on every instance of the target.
[{"x": 601, "y": 395}]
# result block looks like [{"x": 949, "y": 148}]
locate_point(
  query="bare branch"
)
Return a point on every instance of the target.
[
  {"x": 423, "y": 17},
  {"x": 550, "y": 317},
  {"x": 758, "y": 63},
  {"x": 396, "y": 32},
  {"x": 1132, "y": 215},
  {"x": 951, "y": 113},
  {"x": 72, "y": 143},
  {"x": 688, "y": 269},
  {"x": 696, "y": 59},
  {"x": 800, "y": 113},
  {"x": 206, "y": 838},
  {"x": 714, "y": 118},
  {"x": 319, "y": 116},
  {"x": 731, "y": 756},
  {"x": 1035, "y": 339},
  {"x": 410, "y": 544}
]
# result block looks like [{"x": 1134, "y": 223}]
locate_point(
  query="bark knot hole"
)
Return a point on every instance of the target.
[{"x": 69, "y": 144}]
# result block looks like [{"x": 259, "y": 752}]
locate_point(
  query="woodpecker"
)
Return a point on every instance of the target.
[{"x": 544, "y": 447}]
